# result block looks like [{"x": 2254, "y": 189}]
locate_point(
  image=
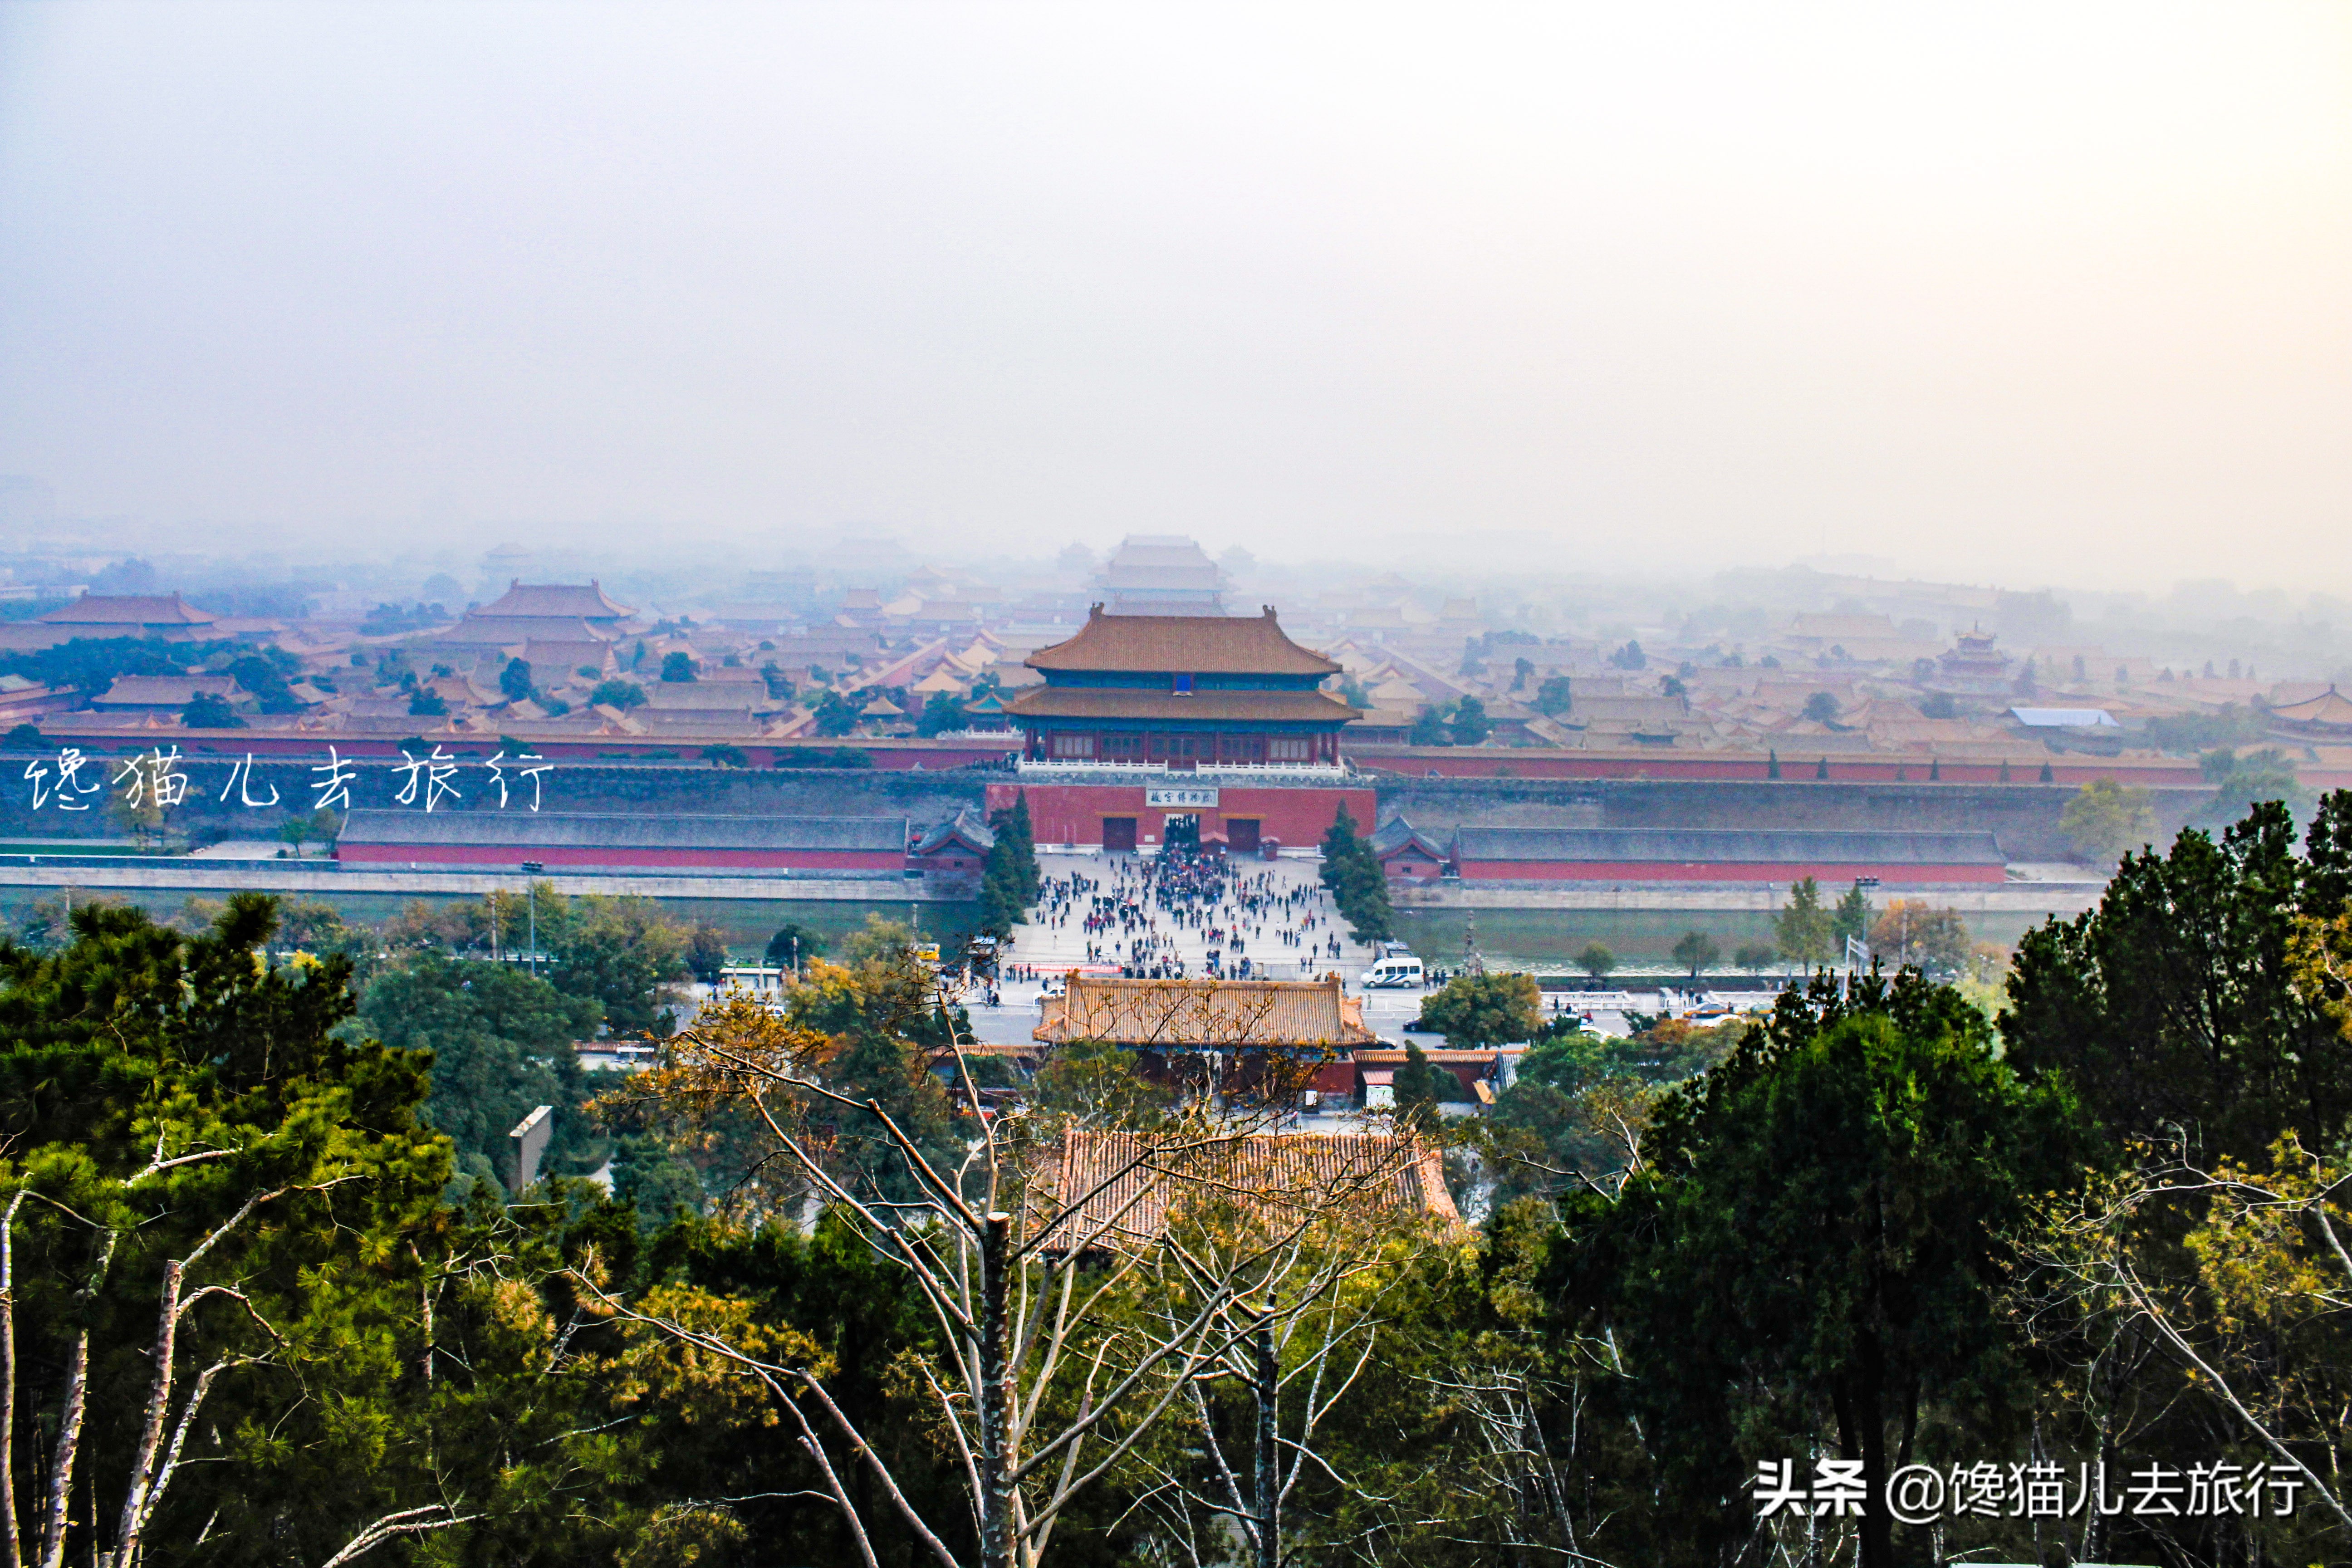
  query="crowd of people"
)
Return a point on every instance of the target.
[{"x": 1133, "y": 917}]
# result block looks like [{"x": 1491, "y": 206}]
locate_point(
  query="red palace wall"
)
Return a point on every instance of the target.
[
  {"x": 509, "y": 857},
  {"x": 1072, "y": 814},
  {"x": 1717, "y": 871}
]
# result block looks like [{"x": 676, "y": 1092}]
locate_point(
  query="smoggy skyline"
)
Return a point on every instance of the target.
[{"x": 2018, "y": 294}]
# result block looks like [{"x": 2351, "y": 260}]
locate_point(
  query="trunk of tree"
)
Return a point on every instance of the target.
[
  {"x": 996, "y": 1460},
  {"x": 53, "y": 1531},
  {"x": 9, "y": 1380},
  {"x": 135, "y": 1506},
  {"x": 1269, "y": 1500},
  {"x": 1870, "y": 1418}
]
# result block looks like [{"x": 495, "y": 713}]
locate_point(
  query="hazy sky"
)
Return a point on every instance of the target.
[{"x": 2025, "y": 294}]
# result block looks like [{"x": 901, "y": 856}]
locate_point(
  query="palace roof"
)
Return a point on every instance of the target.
[
  {"x": 1397, "y": 835},
  {"x": 127, "y": 610},
  {"x": 1192, "y": 1015},
  {"x": 1211, "y": 644},
  {"x": 2330, "y": 709},
  {"x": 479, "y": 628},
  {"x": 1121, "y": 702},
  {"x": 586, "y": 600},
  {"x": 966, "y": 826},
  {"x": 1107, "y": 1189}
]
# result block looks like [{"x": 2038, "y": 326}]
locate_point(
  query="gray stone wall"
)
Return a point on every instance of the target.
[
  {"x": 2023, "y": 815},
  {"x": 923, "y": 797}
]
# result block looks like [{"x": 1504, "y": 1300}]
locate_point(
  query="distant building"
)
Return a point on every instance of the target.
[
  {"x": 1404, "y": 851},
  {"x": 560, "y": 600},
  {"x": 553, "y": 627},
  {"x": 2327, "y": 717},
  {"x": 1313, "y": 1023},
  {"x": 1972, "y": 666},
  {"x": 168, "y": 693},
  {"x": 1161, "y": 574},
  {"x": 129, "y": 615},
  {"x": 955, "y": 845}
]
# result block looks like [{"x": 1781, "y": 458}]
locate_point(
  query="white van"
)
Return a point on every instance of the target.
[{"x": 1396, "y": 971}]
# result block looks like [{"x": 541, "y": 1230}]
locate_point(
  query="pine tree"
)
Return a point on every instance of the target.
[
  {"x": 1024, "y": 849},
  {"x": 1001, "y": 903},
  {"x": 1018, "y": 840},
  {"x": 1356, "y": 882},
  {"x": 1803, "y": 927}
]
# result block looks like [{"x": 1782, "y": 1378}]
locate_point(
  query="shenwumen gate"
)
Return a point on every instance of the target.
[{"x": 1212, "y": 721}]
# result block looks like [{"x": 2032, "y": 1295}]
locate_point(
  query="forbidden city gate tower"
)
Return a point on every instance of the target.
[
  {"x": 1153, "y": 729},
  {"x": 1182, "y": 691}
]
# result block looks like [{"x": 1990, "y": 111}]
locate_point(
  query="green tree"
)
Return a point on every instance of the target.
[
  {"x": 514, "y": 680},
  {"x": 871, "y": 1009},
  {"x": 192, "y": 1139},
  {"x": 1596, "y": 960},
  {"x": 678, "y": 666},
  {"x": 207, "y": 712},
  {"x": 1357, "y": 883},
  {"x": 793, "y": 942},
  {"x": 1028, "y": 880},
  {"x": 2105, "y": 818},
  {"x": 1430, "y": 729},
  {"x": 1553, "y": 698},
  {"x": 1933, "y": 939},
  {"x": 1477, "y": 1010},
  {"x": 1471, "y": 726},
  {"x": 1811, "y": 1250},
  {"x": 1001, "y": 904},
  {"x": 617, "y": 694},
  {"x": 1090, "y": 1084},
  {"x": 1851, "y": 917},
  {"x": 425, "y": 702},
  {"x": 1754, "y": 956},
  {"x": 836, "y": 715},
  {"x": 1420, "y": 1088},
  {"x": 501, "y": 1043},
  {"x": 319, "y": 826},
  {"x": 1802, "y": 927},
  {"x": 1821, "y": 708},
  {"x": 1521, "y": 669},
  {"x": 706, "y": 952},
  {"x": 619, "y": 953},
  {"x": 2173, "y": 1004},
  {"x": 1002, "y": 897},
  {"x": 941, "y": 712},
  {"x": 1694, "y": 950},
  {"x": 2241, "y": 783}
]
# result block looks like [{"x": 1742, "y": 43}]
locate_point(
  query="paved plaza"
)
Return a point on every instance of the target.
[{"x": 1051, "y": 944}]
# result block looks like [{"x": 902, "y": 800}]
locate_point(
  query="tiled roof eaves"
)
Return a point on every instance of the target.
[{"x": 1208, "y": 707}]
